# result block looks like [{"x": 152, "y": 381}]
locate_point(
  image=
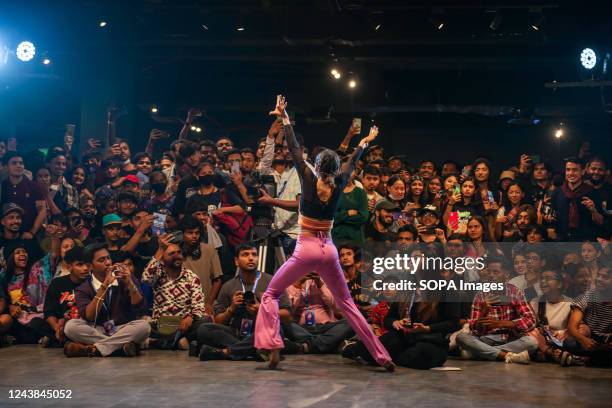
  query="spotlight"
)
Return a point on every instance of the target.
[
  {"x": 588, "y": 58},
  {"x": 536, "y": 23},
  {"x": 240, "y": 28},
  {"x": 352, "y": 83},
  {"x": 337, "y": 75},
  {"x": 378, "y": 26},
  {"x": 46, "y": 61},
  {"x": 193, "y": 128},
  {"x": 153, "y": 109},
  {"x": 559, "y": 132},
  {"x": 496, "y": 22},
  {"x": 334, "y": 72},
  {"x": 25, "y": 51},
  {"x": 205, "y": 27},
  {"x": 198, "y": 129},
  {"x": 102, "y": 24}
]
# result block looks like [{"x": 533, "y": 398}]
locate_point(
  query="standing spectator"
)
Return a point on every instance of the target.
[
  {"x": 202, "y": 259},
  {"x": 577, "y": 206},
  {"x": 64, "y": 195},
  {"x": 590, "y": 253},
  {"x": 370, "y": 181},
  {"x": 28, "y": 195},
  {"x": 351, "y": 215}
]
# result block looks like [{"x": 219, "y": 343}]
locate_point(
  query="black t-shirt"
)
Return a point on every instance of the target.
[{"x": 60, "y": 301}]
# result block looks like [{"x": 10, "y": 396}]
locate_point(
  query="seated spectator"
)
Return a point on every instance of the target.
[
  {"x": 108, "y": 304},
  {"x": 499, "y": 321},
  {"x": 60, "y": 304},
  {"x": 203, "y": 260},
  {"x": 593, "y": 338},
  {"x": 316, "y": 326},
  {"x": 581, "y": 281},
  {"x": 26, "y": 282},
  {"x": 417, "y": 330},
  {"x": 177, "y": 293},
  {"x": 590, "y": 253},
  {"x": 552, "y": 310},
  {"x": 231, "y": 336},
  {"x": 6, "y": 321}
]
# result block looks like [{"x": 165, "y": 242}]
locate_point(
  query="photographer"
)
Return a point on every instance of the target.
[
  {"x": 236, "y": 307},
  {"x": 276, "y": 162},
  {"x": 108, "y": 303}
]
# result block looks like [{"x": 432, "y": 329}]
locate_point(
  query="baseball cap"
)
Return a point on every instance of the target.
[
  {"x": 385, "y": 205},
  {"x": 506, "y": 174},
  {"x": 110, "y": 219},
  {"x": 130, "y": 178},
  {"x": 429, "y": 208},
  {"x": 11, "y": 207}
]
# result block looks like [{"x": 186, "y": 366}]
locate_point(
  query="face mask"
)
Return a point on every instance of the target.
[
  {"x": 396, "y": 197},
  {"x": 159, "y": 188},
  {"x": 206, "y": 180}
]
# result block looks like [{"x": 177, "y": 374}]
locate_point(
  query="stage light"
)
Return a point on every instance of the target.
[
  {"x": 198, "y": 129},
  {"x": 559, "y": 131},
  {"x": 378, "y": 26},
  {"x": 334, "y": 72},
  {"x": 193, "y": 128},
  {"x": 337, "y": 75},
  {"x": 352, "y": 84},
  {"x": 25, "y": 51},
  {"x": 102, "y": 24},
  {"x": 588, "y": 58},
  {"x": 437, "y": 19},
  {"x": 205, "y": 27},
  {"x": 240, "y": 28},
  {"x": 496, "y": 22},
  {"x": 153, "y": 109},
  {"x": 46, "y": 61}
]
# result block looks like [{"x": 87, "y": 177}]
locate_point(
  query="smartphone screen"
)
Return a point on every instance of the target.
[
  {"x": 236, "y": 167},
  {"x": 357, "y": 123},
  {"x": 70, "y": 129},
  {"x": 159, "y": 224}
]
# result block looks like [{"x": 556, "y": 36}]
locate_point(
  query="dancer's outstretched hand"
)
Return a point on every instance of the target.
[{"x": 280, "y": 108}]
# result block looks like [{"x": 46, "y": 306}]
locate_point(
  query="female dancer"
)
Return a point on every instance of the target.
[{"x": 315, "y": 250}]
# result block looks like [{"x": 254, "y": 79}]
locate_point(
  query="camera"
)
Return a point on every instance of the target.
[
  {"x": 265, "y": 182},
  {"x": 248, "y": 298}
]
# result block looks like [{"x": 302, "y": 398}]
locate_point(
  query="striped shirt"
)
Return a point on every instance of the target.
[{"x": 597, "y": 314}]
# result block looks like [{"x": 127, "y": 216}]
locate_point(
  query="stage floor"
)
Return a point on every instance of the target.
[{"x": 172, "y": 379}]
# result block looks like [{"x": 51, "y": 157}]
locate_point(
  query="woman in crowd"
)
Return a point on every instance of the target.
[
  {"x": 590, "y": 253},
  {"x": 477, "y": 235},
  {"x": 77, "y": 178},
  {"x": 464, "y": 205},
  {"x": 396, "y": 191},
  {"x": 434, "y": 191},
  {"x": 315, "y": 251},
  {"x": 26, "y": 286},
  {"x": 552, "y": 309},
  {"x": 506, "y": 227},
  {"x": 351, "y": 214},
  {"x": 417, "y": 196}
]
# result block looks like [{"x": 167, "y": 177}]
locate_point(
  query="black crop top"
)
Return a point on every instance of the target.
[{"x": 310, "y": 205}]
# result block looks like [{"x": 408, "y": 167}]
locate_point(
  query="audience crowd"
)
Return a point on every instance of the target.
[{"x": 110, "y": 252}]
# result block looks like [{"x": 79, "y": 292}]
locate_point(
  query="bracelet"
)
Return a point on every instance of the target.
[{"x": 99, "y": 298}]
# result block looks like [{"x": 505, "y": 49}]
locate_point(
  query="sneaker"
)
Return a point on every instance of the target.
[
  {"x": 6, "y": 340},
  {"x": 567, "y": 360},
  {"x": 389, "y": 366},
  {"x": 74, "y": 349},
  {"x": 183, "y": 344},
  {"x": 518, "y": 358},
  {"x": 44, "y": 341},
  {"x": 211, "y": 353},
  {"x": 131, "y": 349}
]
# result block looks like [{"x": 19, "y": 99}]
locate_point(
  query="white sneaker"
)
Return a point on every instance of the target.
[{"x": 518, "y": 358}]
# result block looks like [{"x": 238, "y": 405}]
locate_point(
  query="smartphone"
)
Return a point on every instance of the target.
[
  {"x": 534, "y": 158},
  {"x": 396, "y": 215},
  {"x": 490, "y": 197},
  {"x": 236, "y": 167},
  {"x": 465, "y": 172},
  {"x": 159, "y": 224},
  {"x": 357, "y": 123},
  {"x": 70, "y": 129},
  {"x": 457, "y": 189}
]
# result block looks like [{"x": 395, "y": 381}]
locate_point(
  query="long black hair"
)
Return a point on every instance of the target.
[{"x": 10, "y": 269}]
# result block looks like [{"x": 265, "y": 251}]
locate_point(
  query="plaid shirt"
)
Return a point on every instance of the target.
[
  {"x": 66, "y": 196},
  {"x": 516, "y": 309},
  {"x": 180, "y": 297}
]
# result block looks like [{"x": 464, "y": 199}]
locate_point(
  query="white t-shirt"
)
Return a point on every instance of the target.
[{"x": 557, "y": 314}]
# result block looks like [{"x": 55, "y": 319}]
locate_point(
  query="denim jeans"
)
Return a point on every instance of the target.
[
  {"x": 323, "y": 338},
  {"x": 488, "y": 347}
]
